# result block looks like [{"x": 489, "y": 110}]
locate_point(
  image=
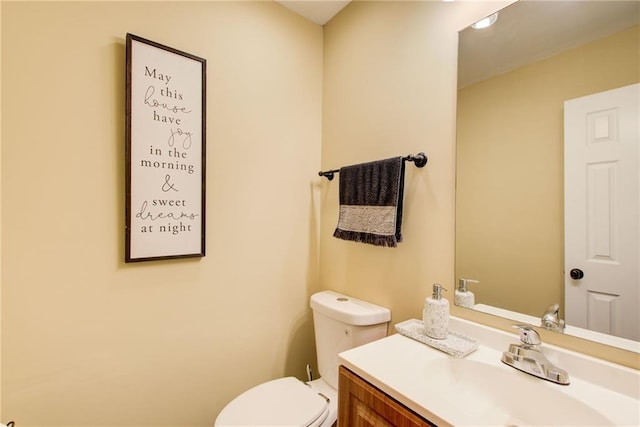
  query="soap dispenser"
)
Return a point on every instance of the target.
[
  {"x": 464, "y": 297},
  {"x": 436, "y": 314}
]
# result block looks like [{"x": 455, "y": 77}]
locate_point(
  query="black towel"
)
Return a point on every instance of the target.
[{"x": 371, "y": 197}]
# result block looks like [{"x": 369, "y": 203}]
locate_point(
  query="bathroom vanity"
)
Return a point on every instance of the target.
[
  {"x": 399, "y": 381},
  {"x": 360, "y": 403}
]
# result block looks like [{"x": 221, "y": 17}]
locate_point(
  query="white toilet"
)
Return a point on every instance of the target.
[{"x": 340, "y": 323}]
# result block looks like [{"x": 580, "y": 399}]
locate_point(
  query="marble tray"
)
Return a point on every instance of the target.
[{"x": 455, "y": 344}]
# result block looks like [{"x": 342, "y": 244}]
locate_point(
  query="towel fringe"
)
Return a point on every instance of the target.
[{"x": 372, "y": 239}]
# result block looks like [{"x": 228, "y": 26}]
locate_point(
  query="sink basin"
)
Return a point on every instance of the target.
[
  {"x": 480, "y": 390},
  {"x": 500, "y": 395}
]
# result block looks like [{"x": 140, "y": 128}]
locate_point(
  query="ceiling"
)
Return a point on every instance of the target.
[
  {"x": 318, "y": 11},
  {"x": 529, "y": 31}
]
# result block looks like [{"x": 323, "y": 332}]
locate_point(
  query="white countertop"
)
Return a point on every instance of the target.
[{"x": 411, "y": 373}]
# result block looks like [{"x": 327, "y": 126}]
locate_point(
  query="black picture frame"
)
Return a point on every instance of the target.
[{"x": 165, "y": 149}]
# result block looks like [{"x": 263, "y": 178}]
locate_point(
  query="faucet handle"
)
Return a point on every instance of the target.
[{"x": 528, "y": 335}]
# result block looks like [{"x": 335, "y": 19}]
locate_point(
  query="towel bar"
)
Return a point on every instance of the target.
[{"x": 419, "y": 160}]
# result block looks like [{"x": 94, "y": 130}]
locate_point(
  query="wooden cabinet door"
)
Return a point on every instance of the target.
[
  {"x": 362, "y": 405},
  {"x": 362, "y": 415}
]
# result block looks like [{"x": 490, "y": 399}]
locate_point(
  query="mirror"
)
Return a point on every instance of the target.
[{"x": 513, "y": 80}]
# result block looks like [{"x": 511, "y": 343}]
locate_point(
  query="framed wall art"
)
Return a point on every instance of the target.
[{"x": 165, "y": 152}]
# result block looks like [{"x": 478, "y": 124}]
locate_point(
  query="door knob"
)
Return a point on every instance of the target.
[{"x": 576, "y": 274}]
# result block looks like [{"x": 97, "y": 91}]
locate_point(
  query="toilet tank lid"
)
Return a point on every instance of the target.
[{"x": 349, "y": 310}]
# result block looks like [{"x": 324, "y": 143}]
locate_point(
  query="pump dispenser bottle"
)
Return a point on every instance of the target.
[
  {"x": 436, "y": 314},
  {"x": 463, "y": 297}
]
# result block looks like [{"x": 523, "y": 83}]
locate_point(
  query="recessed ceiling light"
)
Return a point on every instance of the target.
[{"x": 486, "y": 22}]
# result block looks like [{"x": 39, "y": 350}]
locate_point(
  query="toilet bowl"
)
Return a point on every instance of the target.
[
  {"x": 281, "y": 402},
  {"x": 340, "y": 323}
]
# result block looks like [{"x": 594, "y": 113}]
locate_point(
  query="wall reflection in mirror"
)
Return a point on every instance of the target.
[{"x": 547, "y": 150}]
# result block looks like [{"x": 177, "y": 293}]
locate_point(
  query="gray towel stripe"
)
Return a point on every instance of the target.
[{"x": 379, "y": 220}]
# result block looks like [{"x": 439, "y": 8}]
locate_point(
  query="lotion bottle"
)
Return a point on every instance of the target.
[
  {"x": 436, "y": 314},
  {"x": 464, "y": 297}
]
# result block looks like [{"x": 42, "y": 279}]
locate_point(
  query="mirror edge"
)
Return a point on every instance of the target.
[
  {"x": 590, "y": 348},
  {"x": 579, "y": 345}
]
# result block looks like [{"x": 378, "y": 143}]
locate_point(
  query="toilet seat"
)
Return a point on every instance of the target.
[{"x": 281, "y": 402}]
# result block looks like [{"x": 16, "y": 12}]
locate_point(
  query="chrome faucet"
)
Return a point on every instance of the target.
[
  {"x": 528, "y": 357},
  {"x": 551, "y": 320}
]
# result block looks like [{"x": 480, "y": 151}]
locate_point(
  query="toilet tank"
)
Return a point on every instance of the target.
[{"x": 341, "y": 323}]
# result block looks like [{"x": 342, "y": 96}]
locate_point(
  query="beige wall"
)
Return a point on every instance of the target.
[
  {"x": 389, "y": 90},
  {"x": 88, "y": 340},
  {"x": 1, "y": 419},
  {"x": 510, "y": 223}
]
